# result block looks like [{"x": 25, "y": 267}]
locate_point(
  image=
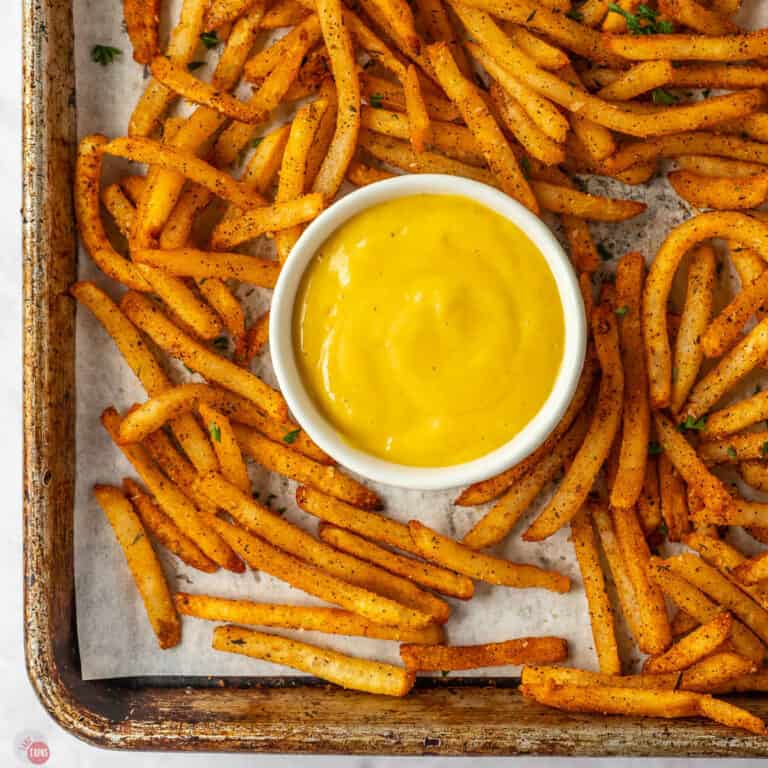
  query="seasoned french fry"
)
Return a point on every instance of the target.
[
  {"x": 418, "y": 116},
  {"x": 314, "y": 619},
  {"x": 742, "y": 512},
  {"x": 391, "y": 96},
  {"x": 439, "y": 28},
  {"x": 713, "y": 671},
  {"x": 722, "y": 194},
  {"x": 255, "y": 341},
  {"x": 737, "y": 417},
  {"x": 600, "y": 611},
  {"x": 674, "y": 507},
  {"x": 284, "y": 13},
  {"x": 543, "y": 53},
  {"x": 346, "y": 671},
  {"x": 165, "y": 530},
  {"x": 142, "y": 18},
  {"x": 578, "y": 480},
  {"x": 484, "y": 491},
  {"x": 753, "y": 570},
  {"x": 223, "y": 12},
  {"x": 425, "y": 574},
  {"x": 172, "y": 501},
  {"x": 649, "y": 501},
  {"x": 686, "y": 652},
  {"x": 361, "y": 175},
  {"x": 496, "y": 524},
  {"x": 225, "y": 445},
  {"x": 537, "y": 675},
  {"x": 524, "y": 650},
  {"x": 327, "y": 479},
  {"x": 638, "y": 80},
  {"x": 143, "y": 564},
  {"x": 693, "y": 601},
  {"x": 717, "y": 166},
  {"x": 730, "y": 715},
  {"x": 477, "y": 565},
  {"x": 166, "y": 335},
  {"x": 146, "y": 368},
  {"x": 735, "y": 448},
  {"x": 682, "y": 623},
  {"x": 498, "y": 153},
  {"x": 414, "y": 606}
]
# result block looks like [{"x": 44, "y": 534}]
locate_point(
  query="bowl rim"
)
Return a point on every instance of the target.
[{"x": 323, "y": 433}]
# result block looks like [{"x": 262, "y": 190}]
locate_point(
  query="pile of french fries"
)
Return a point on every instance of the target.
[{"x": 517, "y": 94}]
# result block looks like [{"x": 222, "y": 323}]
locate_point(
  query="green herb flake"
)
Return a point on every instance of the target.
[
  {"x": 575, "y": 15},
  {"x": 193, "y": 65},
  {"x": 731, "y": 451},
  {"x": 531, "y": 16},
  {"x": 655, "y": 448},
  {"x": 663, "y": 98},
  {"x": 675, "y": 372},
  {"x": 764, "y": 448},
  {"x": 255, "y": 142},
  {"x": 215, "y": 431},
  {"x": 525, "y": 166},
  {"x": 604, "y": 253},
  {"x": 104, "y": 54},
  {"x": 758, "y": 389},
  {"x": 291, "y": 437},
  {"x": 621, "y": 311},
  {"x": 221, "y": 343},
  {"x": 694, "y": 424},
  {"x": 210, "y": 39},
  {"x": 376, "y": 100},
  {"x": 662, "y": 529},
  {"x": 643, "y": 22},
  {"x": 445, "y": 672}
]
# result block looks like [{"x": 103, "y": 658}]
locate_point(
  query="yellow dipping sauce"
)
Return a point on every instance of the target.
[{"x": 428, "y": 330}]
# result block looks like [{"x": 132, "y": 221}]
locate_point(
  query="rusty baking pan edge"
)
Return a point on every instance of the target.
[{"x": 219, "y": 715}]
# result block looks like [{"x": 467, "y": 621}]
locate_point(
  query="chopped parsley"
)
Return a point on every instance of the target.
[
  {"x": 290, "y": 437},
  {"x": 525, "y": 167},
  {"x": 104, "y": 54},
  {"x": 376, "y": 100},
  {"x": 604, "y": 253},
  {"x": 575, "y": 15},
  {"x": 731, "y": 451},
  {"x": 221, "y": 343},
  {"x": 255, "y": 142},
  {"x": 209, "y": 39},
  {"x": 644, "y": 21},
  {"x": 764, "y": 448},
  {"x": 621, "y": 311},
  {"x": 655, "y": 448},
  {"x": 215, "y": 431},
  {"x": 662, "y": 529},
  {"x": 663, "y": 98},
  {"x": 691, "y": 423},
  {"x": 193, "y": 65},
  {"x": 531, "y": 16}
]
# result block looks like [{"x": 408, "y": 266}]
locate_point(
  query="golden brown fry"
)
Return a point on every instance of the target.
[
  {"x": 497, "y": 523},
  {"x": 543, "y": 53},
  {"x": 717, "y": 166},
  {"x": 730, "y": 715},
  {"x": 166, "y": 335},
  {"x": 391, "y": 96},
  {"x": 142, "y": 18},
  {"x": 418, "y": 116},
  {"x": 165, "y": 530},
  {"x": 265, "y": 162},
  {"x": 536, "y": 675},
  {"x": 414, "y": 606},
  {"x": 223, "y": 12},
  {"x": 263, "y": 62},
  {"x": 649, "y": 501},
  {"x": 484, "y": 491},
  {"x": 693, "y": 323},
  {"x": 439, "y": 28},
  {"x": 753, "y": 570},
  {"x": 524, "y": 650},
  {"x": 225, "y": 445},
  {"x": 638, "y": 80},
  {"x": 578, "y": 480},
  {"x": 735, "y": 448},
  {"x": 600, "y": 611},
  {"x": 674, "y": 507},
  {"x": 695, "y": 16},
  {"x": 686, "y": 652},
  {"x": 675, "y": 47},
  {"x": 346, "y": 671},
  {"x": 477, "y": 565},
  {"x": 324, "y": 133},
  {"x": 713, "y": 671},
  {"x": 143, "y": 564},
  {"x": 284, "y": 13},
  {"x": 582, "y": 250},
  {"x": 190, "y": 262},
  {"x": 315, "y": 619},
  {"x": 498, "y": 153},
  {"x": 361, "y": 175},
  {"x": 722, "y": 194},
  {"x": 439, "y": 579},
  {"x": 682, "y": 623},
  {"x": 257, "y": 336}
]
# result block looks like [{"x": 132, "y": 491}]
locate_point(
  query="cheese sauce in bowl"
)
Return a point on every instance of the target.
[{"x": 430, "y": 334}]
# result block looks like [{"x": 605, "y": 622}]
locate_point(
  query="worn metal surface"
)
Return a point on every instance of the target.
[{"x": 234, "y": 715}]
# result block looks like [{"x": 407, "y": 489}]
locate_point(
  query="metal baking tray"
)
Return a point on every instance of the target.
[{"x": 467, "y": 717}]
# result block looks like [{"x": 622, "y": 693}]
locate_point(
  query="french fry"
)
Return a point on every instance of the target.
[
  {"x": 256, "y": 222},
  {"x": 143, "y": 564},
  {"x": 730, "y": 715},
  {"x": 189, "y": 262},
  {"x": 693, "y": 601},
  {"x": 497, "y": 523},
  {"x": 649, "y": 501},
  {"x": 324, "y": 133},
  {"x": 682, "y": 623},
  {"x": 345, "y": 671},
  {"x": 439, "y": 28},
  {"x": 694, "y": 321},
  {"x": 675, "y": 47},
  {"x": 625, "y": 591},
  {"x": 709, "y": 75},
  {"x": 370, "y": 525},
  {"x": 146, "y": 368},
  {"x": 582, "y": 250},
  {"x": 543, "y": 53},
  {"x": 418, "y": 116},
  {"x": 225, "y": 445},
  {"x": 285, "y": 13},
  {"x": 710, "y": 673},
  {"x": 753, "y": 570},
  {"x": 701, "y": 642},
  {"x": 742, "y": 512},
  {"x": 477, "y": 565},
  {"x": 361, "y": 175},
  {"x": 497, "y": 152},
  {"x": 263, "y": 62},
  {"x": 639, "y": 79},
  {"x": 737, "y": 417},
  {"x": 313, "y": 619},
  {"x": 142, "y": 19},
  {"x": 181, "y": 46},
  {"x": 735, "y": 448},
  {"x": 695, "y": 16},
  {"x": 180, "y": 80},
  {"x": 579, "y": 477},
  {"x": 150, "y": 319},
  {"x": 342, "y": 148},
  {"x": 717, "y": 166},
  {"x": 264, "y": 163},
  {"x": 256, "y": 338},
  {"x": 600, "y": 611},
  {"x": 533, "y": 674},
  {"x": 391, "y": 96},
  {"x": 722, "y": 194},
  {"x": 223, "y": 12},
  {"x": 165, "y": 530},
  {"x": 416, "y": 607},
  {"x": 327, "y": 479},
  {"x": 293, "y": 168},
  {"x": 524, "y": 650},
  {"x": 674, "y": 507},
  {"x": 172, "y": 501},
  {"x": 485, "y": 490},
  {"x": 424, "y": 574},
  {"x": 713, "y": 583},
  {"x": 630, "y": 475}
]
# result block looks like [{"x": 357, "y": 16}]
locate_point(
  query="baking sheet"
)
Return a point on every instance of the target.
[{"x": 114, "y": 636}]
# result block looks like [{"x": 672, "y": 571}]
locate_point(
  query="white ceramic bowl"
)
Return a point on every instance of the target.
[{"x": 317, "y": 426}]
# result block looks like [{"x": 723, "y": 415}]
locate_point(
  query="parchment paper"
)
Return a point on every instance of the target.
[{"x": 114, "y": 636}]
